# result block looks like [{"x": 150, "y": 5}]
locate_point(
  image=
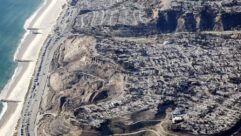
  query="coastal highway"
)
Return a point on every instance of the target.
[
  {"x": 39, "y": 83},
  {"x": 33, "y": 98},
  {"x": 27, "y": 123}
]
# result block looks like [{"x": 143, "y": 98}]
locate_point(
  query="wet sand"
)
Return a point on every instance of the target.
[{"x": 29, "y": 49}]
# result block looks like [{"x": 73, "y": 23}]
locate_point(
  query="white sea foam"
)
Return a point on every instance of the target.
[
  {"x": 48, "y": 16},
  {"x": 4, "y": 109},
  {"x": 4, "y": 92},
  {"x": 26, "y": 26},
  {"x": 18, "y": 69}
]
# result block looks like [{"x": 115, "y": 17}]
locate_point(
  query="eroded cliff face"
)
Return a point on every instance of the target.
[
  {"x": 193, "y": 16},
  {"x": 156, "y": 16},
  {"x": 125, "y": 66}
]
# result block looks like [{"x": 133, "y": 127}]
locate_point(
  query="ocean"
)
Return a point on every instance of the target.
[{"x": 13, "y": 14}]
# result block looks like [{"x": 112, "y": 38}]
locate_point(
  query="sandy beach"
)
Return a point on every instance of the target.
[{"x": 43, "y": 19}]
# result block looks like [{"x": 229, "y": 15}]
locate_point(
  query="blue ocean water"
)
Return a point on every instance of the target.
[{"x": 13, "y": 14}]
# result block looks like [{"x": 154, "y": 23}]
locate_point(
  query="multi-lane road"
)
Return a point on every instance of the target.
[
  {"x": 28, "y": 122},
  {"x": 27, "y": 125}
]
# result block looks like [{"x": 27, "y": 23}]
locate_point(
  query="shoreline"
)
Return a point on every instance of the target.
[
  {"x": 4, "y": 109},
  {"x": 20, "y": 47},
  {"x": 28, "y": 49},
  {"x": 29, "y": 21},
  {"x": 17, "y": 72}
]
